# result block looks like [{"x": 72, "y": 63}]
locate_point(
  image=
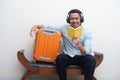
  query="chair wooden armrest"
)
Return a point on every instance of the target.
[
  {"x": 34, "y": 68},
  {"x": 23, "y": 59},
  {"x": 98, "y": 57}
]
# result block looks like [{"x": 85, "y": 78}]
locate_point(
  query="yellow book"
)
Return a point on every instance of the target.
[{"x": 76, "y": 32}]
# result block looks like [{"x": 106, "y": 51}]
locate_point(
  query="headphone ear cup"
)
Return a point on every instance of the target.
[
  {"x": 82, "y": 18},
  {"x": 68, "y": 19}
]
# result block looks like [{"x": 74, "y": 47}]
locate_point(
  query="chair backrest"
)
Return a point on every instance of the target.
[{"x": 47, "y": 44}]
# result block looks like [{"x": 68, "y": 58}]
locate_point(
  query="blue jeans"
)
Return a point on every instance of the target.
[{"x": 87, "y": 62}]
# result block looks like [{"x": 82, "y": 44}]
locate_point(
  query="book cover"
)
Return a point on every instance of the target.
[{"x": 76, "y": 32}]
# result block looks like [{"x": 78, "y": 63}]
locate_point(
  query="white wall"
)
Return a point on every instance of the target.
[{"x": 18, "y": 16}]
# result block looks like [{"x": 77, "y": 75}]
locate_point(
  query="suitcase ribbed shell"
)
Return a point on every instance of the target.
[{"x": 47, "y": 46}]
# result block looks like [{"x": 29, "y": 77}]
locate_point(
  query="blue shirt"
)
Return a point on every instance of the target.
[{"x": 69, "y": 47}]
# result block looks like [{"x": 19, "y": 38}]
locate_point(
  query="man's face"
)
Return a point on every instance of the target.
[{"x": 75, "y": 20}]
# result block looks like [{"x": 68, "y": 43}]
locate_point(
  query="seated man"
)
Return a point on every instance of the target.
[{"x": 76, "y": 50}]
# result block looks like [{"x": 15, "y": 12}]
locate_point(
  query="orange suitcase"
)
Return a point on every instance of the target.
[{"x": 47, "y": 44}]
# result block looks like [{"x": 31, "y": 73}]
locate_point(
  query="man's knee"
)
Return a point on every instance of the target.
[
  {"x": 59, "y": 58},
  {"x": 91, "y": 59}
]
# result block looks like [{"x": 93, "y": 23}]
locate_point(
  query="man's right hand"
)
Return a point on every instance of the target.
[{"x": 34, "y": 29}]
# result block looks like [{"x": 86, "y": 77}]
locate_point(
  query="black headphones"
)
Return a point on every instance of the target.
[{"x": 75, "y": 11}]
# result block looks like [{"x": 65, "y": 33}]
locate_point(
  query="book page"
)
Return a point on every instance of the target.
[{"x": 76, "y": 32}]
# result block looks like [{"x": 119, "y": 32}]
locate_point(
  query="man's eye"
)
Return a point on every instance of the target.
[{"x": 77, "y": 18}]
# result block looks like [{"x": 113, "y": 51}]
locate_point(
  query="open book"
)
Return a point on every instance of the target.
[{"x": 76, "y": 32}]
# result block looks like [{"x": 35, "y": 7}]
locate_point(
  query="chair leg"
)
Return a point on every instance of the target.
[{"x": 26, "y": 75}]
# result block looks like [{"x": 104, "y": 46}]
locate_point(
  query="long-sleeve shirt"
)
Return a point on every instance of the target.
[{"x": 69, "y": 47}]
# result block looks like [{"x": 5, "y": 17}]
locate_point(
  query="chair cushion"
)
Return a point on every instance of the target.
[{"x": 50, "y": 65}]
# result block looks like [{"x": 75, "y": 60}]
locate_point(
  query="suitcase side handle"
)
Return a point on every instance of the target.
[
  {"x": 45, "y": 58},
  {"x": 50, "y": 31}
]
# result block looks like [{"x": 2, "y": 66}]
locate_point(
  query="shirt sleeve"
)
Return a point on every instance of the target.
[
  {"x": 59, "y": 27},
  {"x": 88, "y": 43}
]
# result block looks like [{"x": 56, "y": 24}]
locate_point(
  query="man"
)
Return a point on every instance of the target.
[{"x": 76, "y": 50}]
